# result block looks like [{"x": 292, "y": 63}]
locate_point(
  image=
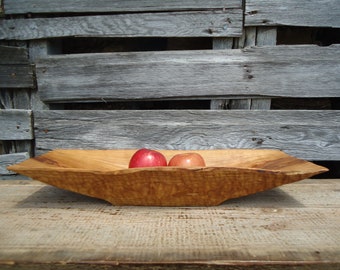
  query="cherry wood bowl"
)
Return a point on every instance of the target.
[{"x": 228, "y": 174}]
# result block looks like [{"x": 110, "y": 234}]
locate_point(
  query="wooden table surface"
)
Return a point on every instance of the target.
[{"x": 294, "y": 225}]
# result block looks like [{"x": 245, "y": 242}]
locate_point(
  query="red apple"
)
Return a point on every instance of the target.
[
  {"x": 187, "y": 160},
  {"x": 147, "y": 158}
]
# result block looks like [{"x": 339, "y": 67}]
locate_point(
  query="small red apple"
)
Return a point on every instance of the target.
[
  {"x": 147, "y": 158},
  {"x": 187, "y": 160}
]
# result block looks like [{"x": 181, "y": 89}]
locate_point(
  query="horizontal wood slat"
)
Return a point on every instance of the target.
[
  {"x": 313, "y": 135},
  {"x": 10, "y": 159},
  {"x": 13, "y": 55},
  {"x": 315, "y": 13},
  {"x": 16, "y": 76},
  {"x": 15, "y": 70},
  {"x": 312, "y": 13},
  {"x": 89, "y": 6},
  {"x": 183, "y": 24},
  {"x": 16, "y": 125},
  {"x": 289, "y": 71}
]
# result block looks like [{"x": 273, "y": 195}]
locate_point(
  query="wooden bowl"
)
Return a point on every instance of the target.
[{"x": 228, "y": 174}]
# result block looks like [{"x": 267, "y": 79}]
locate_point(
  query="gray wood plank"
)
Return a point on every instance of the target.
[
  {"x": 38, "y": 49},
  {"x": 16, "y": 76},
  {"x": 248, "y": 39},
  {"x": 313, "y": 135},
  {"x": 293, "y": 226},
  {"x": 220, "y": 44},
  {"x": 16, "y": 125},
  {"x": 275, "y": 71},
  {"x": 312, "y": 13},
  {"x": 89, "y": 6},
  {"x": 265, "y": 36},
  {"x": 176, "y": 24},
  {"x": 15, "y": 71},
  {"x": 13, "y": 55},
  {"x": 10, "y": 159}
]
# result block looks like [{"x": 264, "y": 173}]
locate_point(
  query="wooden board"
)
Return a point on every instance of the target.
[
  {"x": 312, "y": 135},
  {"x": 16, "y": 125},
  {"x": 10, "y": 159},
  {"x": 296, "y": 225},
  {"x": 13, "y": 55},
  {"x": 183, "y": 24},
  {"x": 16, "y": 76},
  {"x": 15, "y": 70},
  {"x": 288, "y": 71},
  {"x": 88, "y": 6},
  {"x": 312, "y": 13}
]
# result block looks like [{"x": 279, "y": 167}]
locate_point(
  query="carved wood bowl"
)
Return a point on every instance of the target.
[{"x": 228, "y": 174}]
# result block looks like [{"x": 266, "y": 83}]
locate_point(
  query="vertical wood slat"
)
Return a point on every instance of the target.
[
  {"x": 37, "y": 49},
  {"x": 221, "y": 44},
  {"x": 265, "y": 36},
  {"x": 252, "y": 36}
]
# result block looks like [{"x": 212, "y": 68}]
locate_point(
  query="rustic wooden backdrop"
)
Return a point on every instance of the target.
[{"x": 170, "y": 74}]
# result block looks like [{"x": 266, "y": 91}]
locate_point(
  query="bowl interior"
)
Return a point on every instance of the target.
[{"x": 111, "y": 160}]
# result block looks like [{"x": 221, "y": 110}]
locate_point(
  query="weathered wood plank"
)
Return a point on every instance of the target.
[
  {"x": 10, "y": 159},
  {"x": 310, "y": 135},
  {"x": 295, "y": 225},
  {"x": 276, "y": 71},
  {"x": 38, "y": 49},
  {"x": 248, "y": 39},
  {"x": 312, "y": 13},
  {"x": 265, "y": 36},
  {"x": 16, "y": 125},
  {"x": 13, "y": 55},
  {"x": 220, "y": 44},
  {"x": 16, "y": 76},
  {"x": 177, "y": 24},
  {"x": 15, "y": 71},
  {"x": 89, "y": 6}
]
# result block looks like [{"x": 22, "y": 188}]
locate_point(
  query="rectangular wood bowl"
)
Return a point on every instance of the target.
[{"x": 228, "y": 174}]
